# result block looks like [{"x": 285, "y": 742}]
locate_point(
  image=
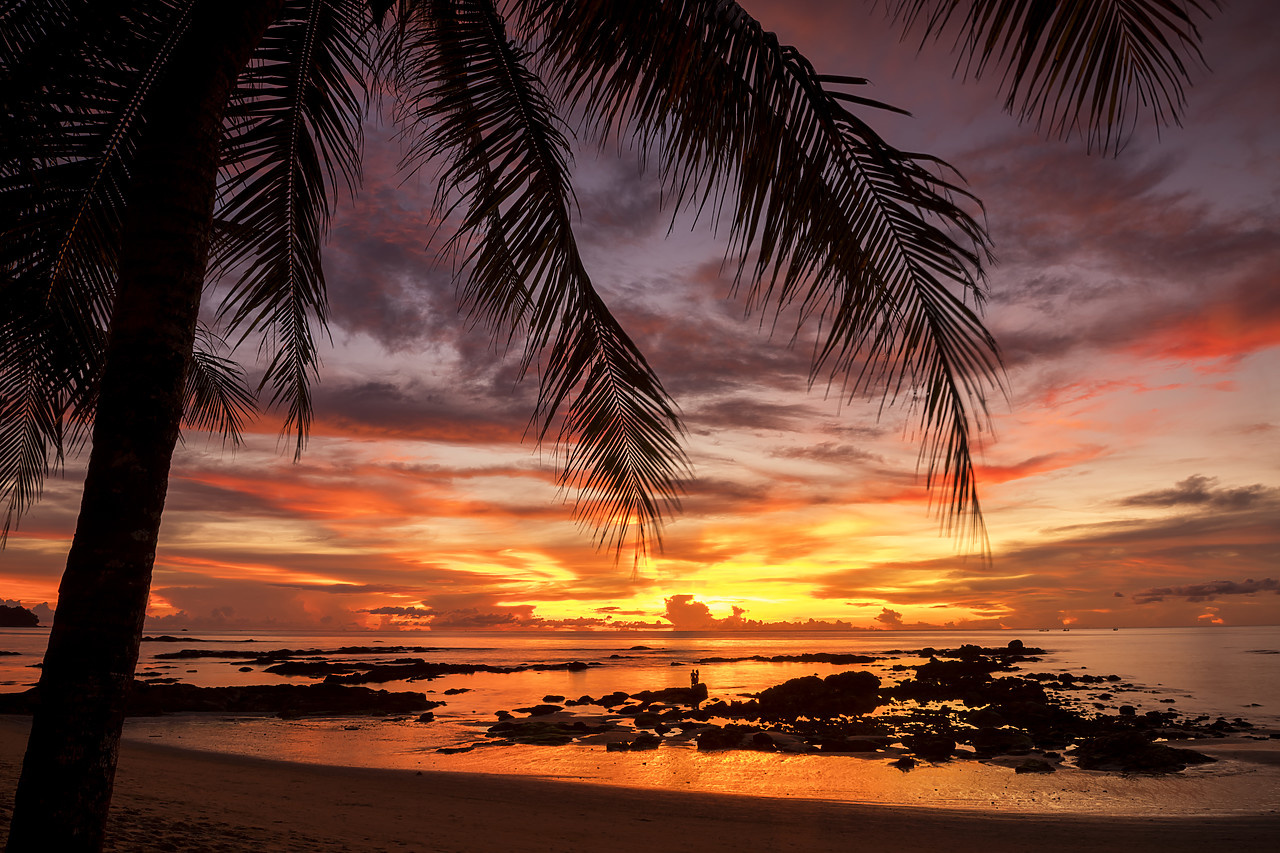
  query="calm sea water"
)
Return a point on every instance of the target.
[{"x": 1231, "y": 672}]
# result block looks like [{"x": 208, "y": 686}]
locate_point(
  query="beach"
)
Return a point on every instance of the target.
[{"x": 181, "y": 801}]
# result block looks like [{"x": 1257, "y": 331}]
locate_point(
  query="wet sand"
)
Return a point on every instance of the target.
[{"x": 168, "y": 799}]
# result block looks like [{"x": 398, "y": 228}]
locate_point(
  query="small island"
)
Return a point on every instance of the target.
[{"x": 17, "y": 617}]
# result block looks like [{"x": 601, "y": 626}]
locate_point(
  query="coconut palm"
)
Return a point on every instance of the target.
[{"x": 150, "y": 147}]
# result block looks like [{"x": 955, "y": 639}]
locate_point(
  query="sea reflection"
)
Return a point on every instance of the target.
[
  {"x": 1223, "y": 789},
  {"x": 1229, "y": 672}
]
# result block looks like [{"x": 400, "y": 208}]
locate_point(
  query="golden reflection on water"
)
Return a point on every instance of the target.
[{"x": 1229, "y": 787}]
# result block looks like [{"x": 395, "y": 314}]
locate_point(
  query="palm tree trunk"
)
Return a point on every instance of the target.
[{"x": 67, "y": 773}]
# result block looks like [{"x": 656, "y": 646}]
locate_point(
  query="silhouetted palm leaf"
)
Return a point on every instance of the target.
[
  {"x": 508, "y": 159},
  {"x": 853, "y": 233},
  {"x": 874, "y": 247},
  {"x": 217, "y": 399},
  {"x": 71, "y": 88},
  {"x": 1074, "y": 66},
  {"x": 294, "y": 137}
]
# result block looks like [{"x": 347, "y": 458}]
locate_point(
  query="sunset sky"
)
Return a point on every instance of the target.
[{"x": 1132, "y": 477}]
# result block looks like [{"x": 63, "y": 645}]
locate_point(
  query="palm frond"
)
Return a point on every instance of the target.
[
  {"x": 72, "y": 98},
  {"x": 217, "y": 398},
  {"x": 294, "y": 137},
  {"x": 33, "y": 409},
  {"x": 1092, "y": 67},
  {"x": 507, "y": 157},
  {"x": 72, "y": 86},
  {"x": 868, "y": 242}
]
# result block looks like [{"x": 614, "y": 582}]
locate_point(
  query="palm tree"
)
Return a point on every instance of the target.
[{"x": 148, "y": 147}]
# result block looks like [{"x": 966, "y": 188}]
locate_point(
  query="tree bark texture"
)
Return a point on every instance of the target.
[{"x": 65, "y": 788}]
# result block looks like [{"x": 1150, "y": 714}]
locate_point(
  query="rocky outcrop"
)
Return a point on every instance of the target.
[
  {"x": 17, "y": 616},
  {"x": 1134, "y": 751},
  {"x": 844, "y": 693},
  {"x": 815, "y": 657},
  {"x": 285, "y": 700}
]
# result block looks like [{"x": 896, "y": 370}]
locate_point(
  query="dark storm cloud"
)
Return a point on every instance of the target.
[
  {"x": 1207, "y": 591},
  {"x": 1198, "y": 490}
]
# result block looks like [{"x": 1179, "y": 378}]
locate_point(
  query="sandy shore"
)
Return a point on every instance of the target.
[{"x": 170, "y": 800}]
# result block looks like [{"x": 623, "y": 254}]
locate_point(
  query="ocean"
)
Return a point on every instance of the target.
[{"x": 1229, "y": 672}]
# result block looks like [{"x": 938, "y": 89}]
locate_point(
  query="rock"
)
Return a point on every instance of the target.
[
  {"x": 957, "y": 672},
  {"x": 1133, "y": 751},
  {"x": 314, "y": 669},
  {"x": 552, "y": 698},
  {"x": 426, "y": 717},
  {"x": 904, "y": 763},
  {"x": 540, "y": 710},
  {"x": 544, "y": 732},
  {"x": 853, "y": 744},
  {"x": 677, "y": 695},
  {"x": 17, "y": 617},
  {"x": 286, "y": 700},
  {"x": 812, "y": 657},
  {"x": 1035, "y": 765},
  {"x": 930, "y": 747},
  {"x": 1002, "y": 741},
  {"x": 728, "y": 737},
  {"x": 986, "y": 718},
  {"x": 1127, "y": 711},
  {"x": 647, "y": 720},
  {"x": 644, "y": 740},
  {"x": 844, "y": 693},
  {"x": 378, "y": 673}
]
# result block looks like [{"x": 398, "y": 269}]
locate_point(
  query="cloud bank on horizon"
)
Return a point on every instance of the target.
[{"x": 1131, "y": 478}]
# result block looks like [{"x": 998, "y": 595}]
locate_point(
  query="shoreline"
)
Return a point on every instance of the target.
[{"x": 172, "y": 799}]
